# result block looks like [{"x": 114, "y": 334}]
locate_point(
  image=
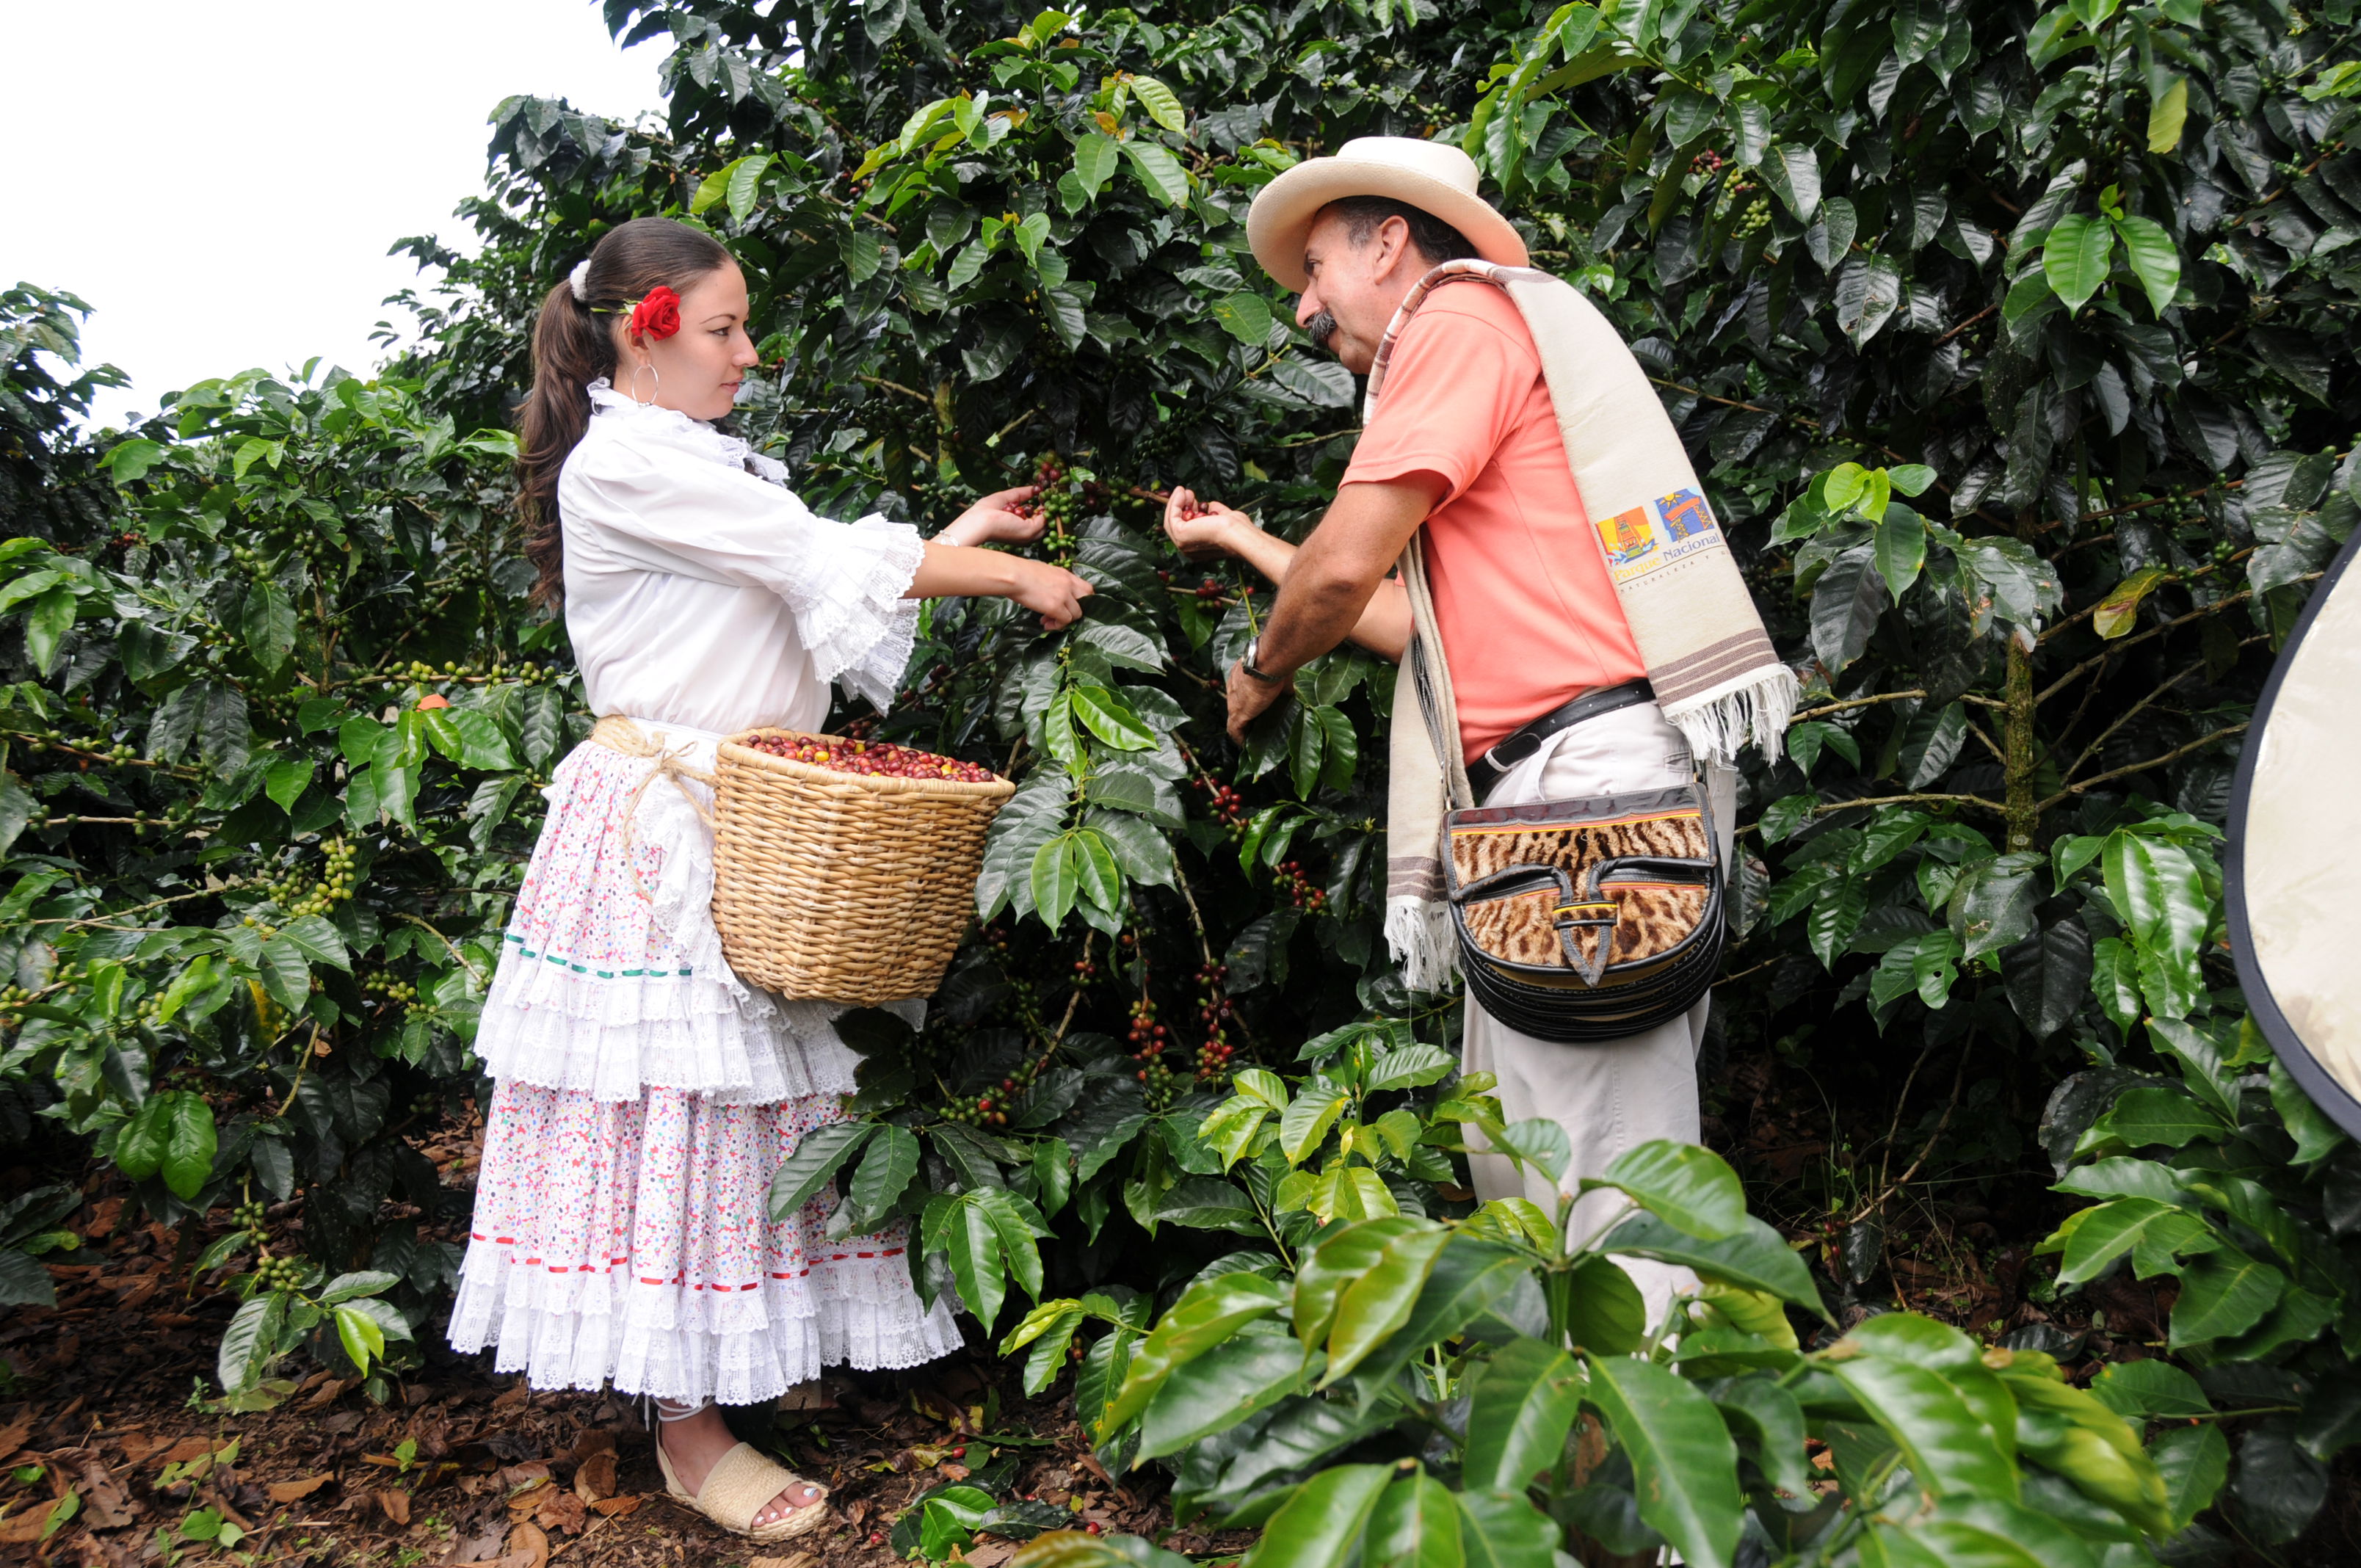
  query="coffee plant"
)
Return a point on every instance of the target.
[{"x": 2014, "y": 343}]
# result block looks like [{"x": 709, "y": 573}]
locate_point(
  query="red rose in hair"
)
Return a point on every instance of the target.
[{"x": 658, "y": 316}]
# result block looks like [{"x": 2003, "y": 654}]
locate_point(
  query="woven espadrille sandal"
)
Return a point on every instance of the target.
[{"x": 739, "y": 1486}]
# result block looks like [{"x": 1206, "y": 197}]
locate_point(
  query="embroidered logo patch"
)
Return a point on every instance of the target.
[
  {"x": 1668, "y": 528},
  {"x": 1627, "y": 537}
]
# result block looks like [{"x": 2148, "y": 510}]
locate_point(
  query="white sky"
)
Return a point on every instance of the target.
[{"x": 220, "y": 180}]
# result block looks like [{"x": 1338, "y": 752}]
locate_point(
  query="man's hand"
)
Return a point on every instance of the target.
[
  {"x": 1250, "y": 699},
  {"x": 1203, "y": 528}
]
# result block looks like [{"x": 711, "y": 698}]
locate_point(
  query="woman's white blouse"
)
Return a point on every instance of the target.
[{"x": 702, "y": 595}]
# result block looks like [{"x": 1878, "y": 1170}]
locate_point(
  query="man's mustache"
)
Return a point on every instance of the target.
[{"x": 1321, "y": 328}]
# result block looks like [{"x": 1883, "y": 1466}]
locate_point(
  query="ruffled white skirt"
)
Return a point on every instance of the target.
[{"x": 645, "y": 1098}]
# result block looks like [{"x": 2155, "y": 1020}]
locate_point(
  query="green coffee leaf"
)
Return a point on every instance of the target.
[
  {"x": 1208, "y": 1314},
  {"x": 1373, "y": 1305},
  {"x": 1685, "y": 1465},
  {"x": 1756, "y": 1258},
  {"x": 2166, "y": 113},
  {"x": 1161, "y": 104},
  {"x": 190, "y": 1142},
  {"x": 1320, "y": 1526},
  {"x": 251, "y": 1341},
  {"x": 1215, "y": 1391},
  {"x": 269, "y": 622},
  {"x": 2075, "y": 258},
  {"x": 1159, "y": 173},
  {"x": 2155, "y": 260},
  {"x": 1690, "y": 1187},
  {"x": 363, "y": 1341},
  {"x": 819, "y": 1155},
  {"x": 1247, "y": 317},
  {"x": 1523, "y": 1404}
]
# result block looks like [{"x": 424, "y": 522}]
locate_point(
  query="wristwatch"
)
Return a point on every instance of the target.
[{"x": 1249, "y": 665}]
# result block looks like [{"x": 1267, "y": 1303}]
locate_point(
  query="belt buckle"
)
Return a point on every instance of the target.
[{"x": 1502, "y": 758}]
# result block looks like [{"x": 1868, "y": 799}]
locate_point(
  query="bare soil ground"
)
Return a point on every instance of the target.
[{"x": 103, "y": 1400}]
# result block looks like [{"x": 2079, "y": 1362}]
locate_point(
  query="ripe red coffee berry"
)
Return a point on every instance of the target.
[{"x": 872, "y": 759}]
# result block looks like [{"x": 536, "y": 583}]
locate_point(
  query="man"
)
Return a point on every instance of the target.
[{"x": 1465, "y": 445}]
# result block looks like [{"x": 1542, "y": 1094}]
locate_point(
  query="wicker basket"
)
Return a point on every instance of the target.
[{"x": 842, "y": 887}]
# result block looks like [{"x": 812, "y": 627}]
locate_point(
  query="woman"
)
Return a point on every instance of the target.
[{"x": 645, "y": 1096}]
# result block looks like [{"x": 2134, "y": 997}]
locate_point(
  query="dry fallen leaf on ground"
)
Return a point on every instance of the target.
[
  {"x": 294, "y": 1491},
  {"x": 29, "y": 1525},
  {"x": 189, "y": 1449},
  {"x": 396, "y": 1506},
  {"x": 108, "y": 1506},
  {"x": 328, "y": 1393},
  {"x": 595, "y": 1478},
  {"x": 12, "y": 1436},
  {"x": 617, "y": 1508},
  {"x": 558, "y": 1511},
  {"x": 484, "y": 1547},
  {"x": 528, "y": 1546}
]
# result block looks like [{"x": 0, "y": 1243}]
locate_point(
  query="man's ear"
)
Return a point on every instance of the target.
[{"x": 1394, "y": 246}]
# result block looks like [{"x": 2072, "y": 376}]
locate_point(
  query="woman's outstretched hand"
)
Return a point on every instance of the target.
[
  {"x": 1201, "y": 528},
  {"x": 997, "y": 519},
  {"x": 1051, "y": 592}
]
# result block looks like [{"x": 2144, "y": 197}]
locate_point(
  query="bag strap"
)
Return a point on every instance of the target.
[{"x": 1431, "y": 672}]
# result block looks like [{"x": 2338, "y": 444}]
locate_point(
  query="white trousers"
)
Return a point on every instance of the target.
[{"x": 1613, "y": 1096}]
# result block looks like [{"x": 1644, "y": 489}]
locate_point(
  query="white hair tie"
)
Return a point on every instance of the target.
[{"x": 580, "y": 279}]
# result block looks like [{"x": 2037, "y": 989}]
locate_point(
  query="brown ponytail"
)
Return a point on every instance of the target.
[{"x": 573, "y": 345}]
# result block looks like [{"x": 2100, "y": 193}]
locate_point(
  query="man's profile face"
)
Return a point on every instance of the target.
[{"x": 1352, "y": 290}]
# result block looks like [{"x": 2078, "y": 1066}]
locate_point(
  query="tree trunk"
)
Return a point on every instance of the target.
[{"x": 2017, "y": 746}]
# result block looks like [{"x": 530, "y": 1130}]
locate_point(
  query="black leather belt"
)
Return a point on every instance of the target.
[{"x": 1489, "y": 769}]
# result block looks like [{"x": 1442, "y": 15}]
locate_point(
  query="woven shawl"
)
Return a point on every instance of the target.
[{"x": 1715, "y": 673}]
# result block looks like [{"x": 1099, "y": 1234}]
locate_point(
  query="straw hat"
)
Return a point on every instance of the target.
[{"x": 1433, "y": 176}]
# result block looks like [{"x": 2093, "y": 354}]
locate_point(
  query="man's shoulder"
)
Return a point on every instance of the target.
[{"x": 1472, "y": 310}]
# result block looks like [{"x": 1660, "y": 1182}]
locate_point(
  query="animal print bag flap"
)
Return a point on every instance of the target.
[{"x": 1597, "y": 892}]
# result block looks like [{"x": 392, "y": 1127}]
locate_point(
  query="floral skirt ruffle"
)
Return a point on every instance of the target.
[{"x": 645, "y": 1099}]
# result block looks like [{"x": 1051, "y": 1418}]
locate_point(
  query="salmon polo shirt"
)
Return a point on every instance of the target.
[{"x": 1528, "y": 614}]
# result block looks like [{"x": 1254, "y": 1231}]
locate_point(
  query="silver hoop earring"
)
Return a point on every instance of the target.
[{"x": 653, "y": 392}]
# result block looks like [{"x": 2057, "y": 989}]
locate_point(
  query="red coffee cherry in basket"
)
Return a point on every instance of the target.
[{"x": 876, "y": 758}]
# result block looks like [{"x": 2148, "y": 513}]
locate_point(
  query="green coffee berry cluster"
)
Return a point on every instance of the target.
[
  {"x": 382, "y": 982},
  {"x": 251, "y": 1216},
  {"x": 991, "y": 1107},
  {"x": 418, "y": 670},
  {"x": 1161, "y": 1083},
  {"x": 40, "y": 741},
  {"x": 278, "y": 1272},
  {"x": 299, "y": 894}
]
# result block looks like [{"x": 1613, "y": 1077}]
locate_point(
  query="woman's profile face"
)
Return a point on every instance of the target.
[{"x": 695, "y": 371}]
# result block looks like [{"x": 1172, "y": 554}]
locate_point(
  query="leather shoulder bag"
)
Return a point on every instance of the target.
[{"x": 1578, "y": 920}]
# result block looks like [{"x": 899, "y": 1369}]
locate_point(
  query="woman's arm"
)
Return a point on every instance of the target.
[
  {"x": 954, "y": 566},
  {"x": 1218, "y": 529},
  {"x": 955, "y": 571},
  {"x": 994, "y": 518}
]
